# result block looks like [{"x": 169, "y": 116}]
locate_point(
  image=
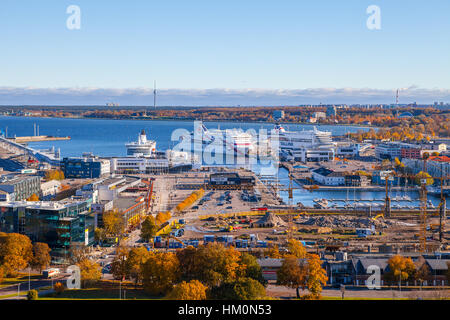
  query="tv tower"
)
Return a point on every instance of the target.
[
  {"x": 396, "y": 98},
  {"x": 154, "y": 95}
]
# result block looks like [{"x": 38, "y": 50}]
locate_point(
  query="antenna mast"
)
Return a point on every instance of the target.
[{"x": 154, "y": 95}]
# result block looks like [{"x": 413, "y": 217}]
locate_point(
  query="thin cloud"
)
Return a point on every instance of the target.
[{"x": 215, "y": 97}]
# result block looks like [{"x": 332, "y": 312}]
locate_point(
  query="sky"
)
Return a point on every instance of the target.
[{"x": 230, "y": 52}]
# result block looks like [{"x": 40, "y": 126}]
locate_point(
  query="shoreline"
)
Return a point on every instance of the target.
[{"x": 206, "y": 121}]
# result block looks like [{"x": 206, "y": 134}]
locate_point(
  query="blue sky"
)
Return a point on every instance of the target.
[{"x": 223, "y": 45}]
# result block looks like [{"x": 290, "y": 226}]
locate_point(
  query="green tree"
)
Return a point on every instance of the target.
[
  {"x": 249, "y": 289},
  {"x": 41, "y": 258},
  {"x": 241, "y": 289},
  {"x": 251, "y": 268},
  {"x": 149, "y": 228}
]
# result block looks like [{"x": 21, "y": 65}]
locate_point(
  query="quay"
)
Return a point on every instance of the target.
[{"x": 26, "y": 139}]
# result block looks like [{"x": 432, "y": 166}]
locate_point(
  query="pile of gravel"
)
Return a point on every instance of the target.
[{"x": 342, "y": 222}]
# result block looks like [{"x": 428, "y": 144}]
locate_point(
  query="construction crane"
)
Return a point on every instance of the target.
[
  {"x": 291, "y": 227},
  {"x": 381, "y": 215},
  {"x": 423, "y": 204}
]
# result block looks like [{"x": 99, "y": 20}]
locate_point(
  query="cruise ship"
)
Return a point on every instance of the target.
[
  {"x": 306, "y": 145},
  {"x": 234, "y": 141},
  {"x": 142, "y": 147}
]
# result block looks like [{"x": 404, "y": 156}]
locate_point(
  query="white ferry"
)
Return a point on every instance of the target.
[{"x": 142, "y": 147}]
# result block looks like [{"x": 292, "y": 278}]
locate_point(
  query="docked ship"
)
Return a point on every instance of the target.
[
  {"x": 142, "y": 147},
  {"x": 306, "y": 145},
  {"x": 232, "y": 141}
]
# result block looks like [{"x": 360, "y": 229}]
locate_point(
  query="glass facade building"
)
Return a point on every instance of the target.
[{"x": 59, "y": 224}]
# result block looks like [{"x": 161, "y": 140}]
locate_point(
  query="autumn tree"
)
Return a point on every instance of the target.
[
  {"x": 162, "y": 217},
  {"x": 448, "y": 272},
  {"x": 423, "y": 175},
  {"x": 149, "y": 228},
  {"x": 16, "y": 252},
  {"x": 90, "y": 272},
  {"x": 113, "y": 222},
  {"x": 54, "y": 175},
  {"x": 2, "y": 274},
  {"x": 59, "y": 288},
  {"x": 41, "y": 256},
  {"x": 160, "y": 272},
  {"x": 292, "y": 273},
  {"x": 400, "y": 269},
  {"x": 422, "y": 274},
  {"x": 119, "y": 263},
  {"x": 78, "y": 253},
  {"x": 99, "y": 235},
  {"x": 296, "y": 248},
  {"x": 214, "y": 264},
  {"x": 137, "y": 257},
  {"x": 33, "y": 197},
  {"x": 317, "y": 276},
  {"x": 273, "y": 252},
  {"x": 192, "y": 290},
  {"x": 189, "y": 268}
]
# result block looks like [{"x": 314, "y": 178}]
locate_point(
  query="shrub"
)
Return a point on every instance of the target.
[
  {"x": 32, "y": 295},
  {"x": 59, "y": 288}
]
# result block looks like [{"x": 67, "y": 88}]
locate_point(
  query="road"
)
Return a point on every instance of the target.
[
  {"x": 287, "y": 293},
  {"x": 34, "y": 284}
]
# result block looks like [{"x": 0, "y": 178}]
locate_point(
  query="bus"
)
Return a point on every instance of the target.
[
  {"x": 259, "y": 209},
  {"x": 50, "y": 273}
]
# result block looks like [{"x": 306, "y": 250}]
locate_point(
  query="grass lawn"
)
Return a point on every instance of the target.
[
  {"x": 100, "y": 294},
  {"x": 20, "y": 278},
  {"x": 356, "y": 298}
]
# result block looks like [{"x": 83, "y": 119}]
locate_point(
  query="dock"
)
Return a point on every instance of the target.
[{"x": 26, "y": 139}]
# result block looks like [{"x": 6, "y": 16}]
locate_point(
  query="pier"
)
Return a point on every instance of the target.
[
  {"x": 26, "y": 139},
  {"x": 49, "y": 156}
]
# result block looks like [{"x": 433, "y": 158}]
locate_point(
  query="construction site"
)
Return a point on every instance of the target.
[{"x": 242, "y": 217}]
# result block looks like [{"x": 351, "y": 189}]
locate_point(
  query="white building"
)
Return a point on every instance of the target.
[
  {"x": 50, "y": 188},
  {"x": 328, "y": 177},
  {"x": 306, "y": 145},
  {"x": 392, "y": 150},
  {"x": 348, "y": 150},
  {"x": 136, "y": 165}
]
